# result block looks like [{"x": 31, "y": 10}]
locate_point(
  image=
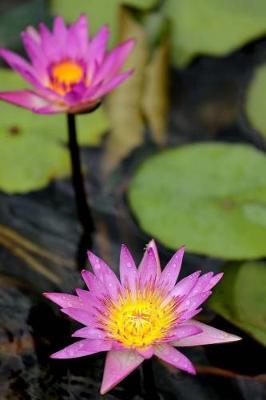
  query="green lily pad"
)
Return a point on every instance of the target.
[
  {"x": 213, "y": 27},
  {"x": 29, "y": 161},
  {"x": 256, "y": 100},
  {"x": 209, "y": 196},
  {"x": 99, "y": 11},
  {"x": 240, "y": 298},
  {"x": 32, "y": 147}
]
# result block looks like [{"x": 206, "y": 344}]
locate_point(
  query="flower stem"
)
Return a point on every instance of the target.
[
  {"x": 150, "y": 391},
  {"x": 83, "y": 209}
]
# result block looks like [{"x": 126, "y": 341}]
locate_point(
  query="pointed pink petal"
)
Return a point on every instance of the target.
[
  {"x": 80, "y": 95},
  {"x": 59, "y": 28},
  {"x": 114, "y": 61},
  {"x": 48, "y": 44},
  {"x": 82, "y": 348},
  {"x": 80, "y": 31},
  {"x": 93, "y": 283},
  {"x": 184, "y": 330},
  {"x": 83, "y": 106},
  {"x": 171, "y": 271},
  {"x": 59, "y": 35},
  {"x": 19, "y": 65},
  {"x": 51, "y": 109},
  {"x": 112, "y": 84},
  {"x": 183, "y": 287},
  {"x": 206, "y": 282},
  {"x": 64, "y": 300},
  {"x": 117, "y": 345},
  {"x": 209, "y": 335},
  {"x": 148, "y": 270},
  {"x": 187, "y": 315},
  {"x": 151, "y": 245},
  {"x": 90, "y": 96},
  {"x": 36, "y": 55},
  {"x": 32, "y": 101},
  {"x": 97, "y": 47},
  {"x": 34, "y": 34},
  {"x": 118, "y": 365},
  {"x": 80, "y": 315},
  {"x": 173, "y": 357},
  {"x": 72, "y": 49},
  {"x": 213, "y": 282},
  {"x": 99, "y": 266},
  {"x": 89, "y": 333},
  {"x": 128, "y": 269},
  {"x": 84, "y": 295},
  {"x": 191, "y": 303},
  {"x": 87, "y": 298},
  {"x": 201, "y": 284},
  {"x": 105, "y": 274},
  {"x": 146, "y": 352}
]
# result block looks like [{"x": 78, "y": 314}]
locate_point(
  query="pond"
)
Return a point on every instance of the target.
[{"x": 185, "y": 166}]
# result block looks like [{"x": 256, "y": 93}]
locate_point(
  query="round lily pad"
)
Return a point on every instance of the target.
[
  {"x": 209, "y": 196},
  {"x": 240, "y": 298},
  {"x": 32, "y": 146},
  {"x": 213, "y": 27},
  {"x": 256, "y": 100},
  {"x": 29, "y": 161}
]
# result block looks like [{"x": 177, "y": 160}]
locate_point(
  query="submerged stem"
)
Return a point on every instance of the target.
[{"x": 83, "y": 209}]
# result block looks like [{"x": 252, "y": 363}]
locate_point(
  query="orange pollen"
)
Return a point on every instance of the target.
[{"x": 64, "y": 75}]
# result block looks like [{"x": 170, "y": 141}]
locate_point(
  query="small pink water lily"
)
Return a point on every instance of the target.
[
  {"x": 68, "y": 71},
  {"x": 146, "y": 313}
]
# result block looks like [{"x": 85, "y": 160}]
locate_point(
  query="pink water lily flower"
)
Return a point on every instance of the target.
[
  {"x": 68, "y": 71},
  {"x": 146, "y": 313}
]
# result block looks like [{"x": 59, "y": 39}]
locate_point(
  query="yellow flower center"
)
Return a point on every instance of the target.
[
  {"x": 140, "y": 320},
  {"x": 65, "y": 74}
]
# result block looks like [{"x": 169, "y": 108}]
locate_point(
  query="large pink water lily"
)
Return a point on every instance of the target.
[
  {"x": 146, "y": 313},
  {"x": 68, "y": 71}
]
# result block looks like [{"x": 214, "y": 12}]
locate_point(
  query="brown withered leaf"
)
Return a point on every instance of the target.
[
  {"x": 124, "y": 103},
  {"x": 142, "y": 99},
  {"x": 155, "y": 96}
]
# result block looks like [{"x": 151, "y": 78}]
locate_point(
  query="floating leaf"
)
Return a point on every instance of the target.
[
  {"x": 29, "y": 160},
  {"x": 32, "y": 150},
  {"x": 256, "y": 101},
  {"x": 213, "y": 27},
  {"x": 206, "y": 196},
  {"x": 240, "y": 298}
]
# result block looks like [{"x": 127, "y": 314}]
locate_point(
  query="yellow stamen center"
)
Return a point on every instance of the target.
[
  {"x": 65, "y": 74},
  {"x": 141, "y": 320}
]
